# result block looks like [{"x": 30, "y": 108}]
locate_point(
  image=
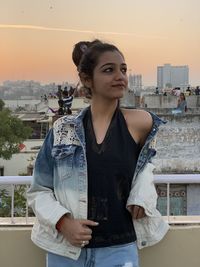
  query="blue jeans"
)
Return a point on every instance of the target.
[{"x": 115, "y": 256}]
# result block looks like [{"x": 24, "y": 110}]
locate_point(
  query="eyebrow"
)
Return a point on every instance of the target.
[{"x": 123, "y": 64}]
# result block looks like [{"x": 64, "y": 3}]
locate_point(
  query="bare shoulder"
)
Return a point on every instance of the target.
[
  {"x": 138, "y": 118},
  {"x": 139, "y": 123}
]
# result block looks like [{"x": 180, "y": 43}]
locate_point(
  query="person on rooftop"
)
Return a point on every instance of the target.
[
  {"x": 68, "y": 99},
  {"x": 181, "y": 105},
  {"x": 92, "y": 190}
]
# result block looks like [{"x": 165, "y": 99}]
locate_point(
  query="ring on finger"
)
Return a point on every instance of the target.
[{"x": 83, "y": 244}]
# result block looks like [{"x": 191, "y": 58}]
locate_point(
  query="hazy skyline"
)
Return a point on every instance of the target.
[{"x": 37, "y": 37}]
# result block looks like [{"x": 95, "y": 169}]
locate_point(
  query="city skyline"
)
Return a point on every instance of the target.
[{"x": 37, "y": 37}]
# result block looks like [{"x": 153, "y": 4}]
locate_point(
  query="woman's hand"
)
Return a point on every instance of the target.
[
  {"x": 76, "y": 231},
  {"x": 137, "y": 212}
]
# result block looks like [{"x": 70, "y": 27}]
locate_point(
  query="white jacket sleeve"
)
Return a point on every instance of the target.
[
  {"x": 152, "y": 228},
  {"x": 41, "y": 196},
  {"x": 143, "y": 192}
]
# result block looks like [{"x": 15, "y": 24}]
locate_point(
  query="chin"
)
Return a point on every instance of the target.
[
  {"x": 121, "y": 94},
  {"x": 118, "y": 96}
]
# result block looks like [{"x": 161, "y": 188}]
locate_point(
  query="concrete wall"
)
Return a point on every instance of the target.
[
  {"x": 180, "y": 248},
  {"x": 17, "y": 250},
  {"x": 169, "y": 101},
  {"x": 178, "y": 145},
  {"x": 19, "y": 162},
  {"x": 33, "y": 105},
  {"x": 160, "y": 103}
]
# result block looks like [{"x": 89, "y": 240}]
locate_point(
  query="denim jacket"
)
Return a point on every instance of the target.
[{"x": 60, "y": 186}]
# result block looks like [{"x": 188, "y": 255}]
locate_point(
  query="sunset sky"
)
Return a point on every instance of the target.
[{"x": 37, "y": 36}]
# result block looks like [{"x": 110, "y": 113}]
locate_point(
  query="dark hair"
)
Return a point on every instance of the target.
[
  {"x": 87, "y": 59},
  {"x": 182, "y": 94},
  {"x": 78, "y": 51}
]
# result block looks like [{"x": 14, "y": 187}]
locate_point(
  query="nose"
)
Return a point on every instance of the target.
[{"x": 120, "y": 76}]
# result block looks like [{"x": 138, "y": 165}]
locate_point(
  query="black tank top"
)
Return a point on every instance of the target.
[{"x": 111, "y": 167}]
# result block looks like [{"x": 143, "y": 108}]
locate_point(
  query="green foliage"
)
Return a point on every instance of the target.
[
  {"x": 19, "y": 202},
  {"x": 5, "y": 203},
  {"x": 2, "y": 104},
  {"x": 12, "y": 133}
]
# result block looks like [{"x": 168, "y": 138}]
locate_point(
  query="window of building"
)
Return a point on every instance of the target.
[{"x": 39, "y": 130}]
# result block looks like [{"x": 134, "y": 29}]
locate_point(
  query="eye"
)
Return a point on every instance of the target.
[
  {"x": 108, "y": 70},
  {"x": 124, "y": 70}
]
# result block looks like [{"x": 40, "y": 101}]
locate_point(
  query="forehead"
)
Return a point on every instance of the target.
[{"x": 113, "y": 57}]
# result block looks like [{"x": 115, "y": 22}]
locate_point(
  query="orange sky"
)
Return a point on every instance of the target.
[{"x": 37, "y": 37}]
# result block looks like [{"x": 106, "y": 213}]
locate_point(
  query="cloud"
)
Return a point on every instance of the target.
[{"x": 42, "y": 28}]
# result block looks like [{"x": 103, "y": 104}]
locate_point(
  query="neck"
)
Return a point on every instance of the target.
[{"x": 103, "y": 110}]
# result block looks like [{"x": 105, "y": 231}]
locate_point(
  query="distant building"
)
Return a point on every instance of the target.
[
  {"x": 39, "y": 116},
  {"x": 172, "y": 76},
  {"x": 135, "y": 82}
]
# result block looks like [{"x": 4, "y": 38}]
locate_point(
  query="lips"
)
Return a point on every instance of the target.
[{"x": 118, "y": 85}]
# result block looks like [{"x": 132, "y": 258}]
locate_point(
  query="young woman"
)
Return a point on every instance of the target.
[
  {"x": 92, "y": 190},
  {"x": 181, "y": 105}
]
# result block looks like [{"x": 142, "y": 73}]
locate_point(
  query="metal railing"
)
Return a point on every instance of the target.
[
  {"x": 167, "y": 179},
  {"x": 13, "y": 181}
]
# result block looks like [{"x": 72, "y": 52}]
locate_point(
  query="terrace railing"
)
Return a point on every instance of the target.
[{"x": 166, "y": 179}]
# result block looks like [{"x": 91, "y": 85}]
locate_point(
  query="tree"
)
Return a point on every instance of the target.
[
  {"x": 12, "y": 133},
  {"x": 2, "y": 104}
]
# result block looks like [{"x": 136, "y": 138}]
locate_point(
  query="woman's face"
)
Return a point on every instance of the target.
[{"x": 110, "y": 76}]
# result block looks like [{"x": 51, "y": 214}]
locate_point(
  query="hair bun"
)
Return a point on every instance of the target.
[
  {"x": 83, "y": 47},
  {"x": 79, "y": 50}
]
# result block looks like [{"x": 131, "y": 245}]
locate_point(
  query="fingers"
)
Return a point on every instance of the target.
[
  {"x": 138, "y": 212},
  {"x": 84, "y": 234},
  {"x": 81, "y": 243},
  {"x": 88, "y": 222},
  {"x": 84, "y": 243},
  {"x": 78, "y": 231},
  {"x": 85, "y": 229},
  {"x": 82, "y": 239}
]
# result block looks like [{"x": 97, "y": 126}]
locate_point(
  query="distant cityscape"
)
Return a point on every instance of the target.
[
  {"x": 168, "y": 78},
  {"x": 27, "y": 89}
]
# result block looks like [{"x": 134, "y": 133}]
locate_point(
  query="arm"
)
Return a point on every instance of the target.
[
  {"x": 143, "y": 192},
  {"x": 41, "y": 196},
  {"x": 47, "y": 209},
  {"x": 151, "y": 228},
  {"x": 139, "y": 123},
  {"x": 142, "y": 203}
]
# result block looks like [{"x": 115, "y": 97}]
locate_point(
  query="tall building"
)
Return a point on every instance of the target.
[
  {"x": 172, "y": 76},
  {"x": 135, "y": 82}
]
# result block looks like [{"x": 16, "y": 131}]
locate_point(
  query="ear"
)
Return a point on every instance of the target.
[{"x": 85, "y": 80}]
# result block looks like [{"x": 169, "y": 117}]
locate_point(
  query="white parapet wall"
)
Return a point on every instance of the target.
[{"x": 179, "y": 248}]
